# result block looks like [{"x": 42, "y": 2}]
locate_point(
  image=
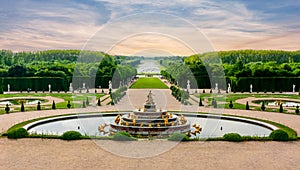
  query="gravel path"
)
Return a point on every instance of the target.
[{"x": 85, "y": 154}]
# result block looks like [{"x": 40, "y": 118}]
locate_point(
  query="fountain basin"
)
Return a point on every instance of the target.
[{"x": 212, "y": 125}]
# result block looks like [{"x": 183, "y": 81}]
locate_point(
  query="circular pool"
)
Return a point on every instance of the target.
[{"x": 212, "y": 125}]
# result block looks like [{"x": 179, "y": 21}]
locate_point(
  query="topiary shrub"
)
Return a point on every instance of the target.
[
  {"x": 22, "y": 107},
  {"x": 297, "y": 110},
  {"x": 279, "y": 135},
  {"x": 69, "y": 104},
  {"x": 280, "y": 108},
  {"x": 247, "y": 106},
  {"x": 83, "y": 104},
  {"x": 87, "y": 101},
  {"x": 178, "y": 137},
  {"x": 200, "y": 102},
  {"x": 99, "y": 102},
  {"x": 38, "y": 106},
  {"x": 230, "y": 104},
  {"x": 53, "y": 105},
  {"x": 122, "y": 136},
  {"x": 17, "y": 133},
  {"x": 71, "y": 135},
  {"x": 233, "y": 137},
  {"x": 7, "y": 109},
  {"x": 263, "y": 107}
]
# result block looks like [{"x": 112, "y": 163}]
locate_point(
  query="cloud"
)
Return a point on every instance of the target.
[{"x": 38, "y": 25}]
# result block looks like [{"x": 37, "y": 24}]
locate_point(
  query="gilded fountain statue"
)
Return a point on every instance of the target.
[{"x": 150, "y": 121}]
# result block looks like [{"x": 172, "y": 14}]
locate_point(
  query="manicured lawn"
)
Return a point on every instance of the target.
[
  {"x": 235, "y": 96},
  {"x": 76, "y": 100},
  {"x": 149, "y": 83}
]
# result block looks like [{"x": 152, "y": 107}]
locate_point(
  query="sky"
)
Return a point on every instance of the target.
[{"x": 173, "y": 27}]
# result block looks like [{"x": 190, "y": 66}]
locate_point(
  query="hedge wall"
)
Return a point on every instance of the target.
[
  {"x": 34, "y": 83},
  {"x": 90, "y": 82},
  {"x": 267, "y": 83},
  {"x": 243, "y": 83}
]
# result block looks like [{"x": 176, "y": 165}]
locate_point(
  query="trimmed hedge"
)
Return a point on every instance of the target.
[
  {"x": 17, "y": 133},
  {"x": 233, "y": 137},
  {"x": 178, "y": 137},
  {"x": 122, "y": 136},
  {"x": 35, "y": 83},
  {"x": 71, "y": 135},
  {"x": 279, "y": 135}
]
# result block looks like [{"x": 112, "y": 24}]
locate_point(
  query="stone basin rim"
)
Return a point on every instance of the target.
[{"x": 205, "y": 115}]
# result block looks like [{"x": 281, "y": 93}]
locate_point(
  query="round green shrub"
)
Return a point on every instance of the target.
[
  {"x": 17, "y": 133},
  {"x": 178, "y": 137},
  {"x": 234, "y": 137},
  {"x": 279, "y": 135},
  {"x": 230, "y": 104},
  {"x": 71, "y": 135},
  {"x": 122, "y": 136}
]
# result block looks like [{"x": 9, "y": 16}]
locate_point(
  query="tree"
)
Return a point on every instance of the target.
[
  {"x": 7, "y": 109},
  {"x": 22, "y": 107},
  {"x": 247, "y": 106},
  {"x": 99, "y": 102},
  {"x": 280, "y": 108},
  {"x": 263, "y": 107},
  {"x": 230, "y": 104},
  {"x": 1, "y": 89},
  {"x": 83, "y": 104},
  {"x": 297, "y": 110},
  {"x": 17, "y": 71},
  {"x": 200, "y": 102},
  {"x": 53, "y": 105},
  {"x": 69, "y": 104},
  {"x": 38, "y": 106}
]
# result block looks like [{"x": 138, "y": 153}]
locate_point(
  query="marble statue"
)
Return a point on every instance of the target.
[
  {"x": 109, "y": 85},
  {"x": 294, "y": 86},
  {"x": 229, "y": 88},
  {"x": 49, "y": 86},
  {"x": 251, "y": 87},
  {"x": 8, "y": 87}
]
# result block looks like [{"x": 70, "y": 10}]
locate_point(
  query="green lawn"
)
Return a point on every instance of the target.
[
  {"x": 75, "y": 99},
  {"x": 148, "y": 83},
  {"x": 236, "y": 96}
]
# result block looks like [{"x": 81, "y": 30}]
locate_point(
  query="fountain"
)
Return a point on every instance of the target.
[{"x": 150, "y": 121}]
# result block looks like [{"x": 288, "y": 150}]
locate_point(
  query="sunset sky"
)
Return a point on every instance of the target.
[{"x": 176, "y": 27}]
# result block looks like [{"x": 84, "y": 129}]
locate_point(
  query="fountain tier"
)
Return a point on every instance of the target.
[{"x": 150, "y": 121}]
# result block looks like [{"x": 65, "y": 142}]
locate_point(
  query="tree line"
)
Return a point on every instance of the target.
[{"x": 67, "y": 64}]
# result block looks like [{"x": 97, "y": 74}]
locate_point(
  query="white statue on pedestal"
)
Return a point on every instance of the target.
[
  {"x": 251, "y": 88},
  {"x": 188, "y": 86},
  {"x": 216, "y": 88},
  {"x": 229, "y": 88},
  {"x": 83, "y": 85},
  {"x": 294, "y": 86},
  {"x": 8, "y": 88},
  {"x": 71, "y": 87},
  {"x": 49, "y": 86},
  {"x": 109, "y": 85}
]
